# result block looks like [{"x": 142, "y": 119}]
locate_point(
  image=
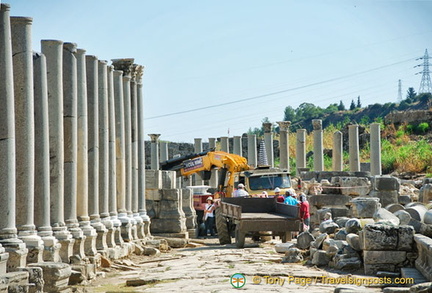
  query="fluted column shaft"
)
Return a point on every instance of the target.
[
  {"x": 252, "y": 150},
  {"x": 375, "y": 149},
  {"x": 268, "y": 139},
  {"x": 318, "y": 145},
  {"x": 301, "y": 149},
  {"x": 354, "y": 151},
  {"x": 337, "y": 151},
  {"x": 284, "y": 144},
  {"x": 82, "y": 157}
]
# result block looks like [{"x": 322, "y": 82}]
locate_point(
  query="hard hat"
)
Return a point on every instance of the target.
[
  {"x": 277, "y": 189},
  {"x": 241, "y": 185},
  {"x": 209, "y": 198}
]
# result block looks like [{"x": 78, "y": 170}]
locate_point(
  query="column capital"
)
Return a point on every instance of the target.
[
  {"x": 284, "y": 125},
  {"x": 317, "y": 124},
  {"x": 123, "y": 64},
  {"x": 4, "y": 7},
  {"x": 154, "y": 137},
  {"x": 267, "y": 127},
  {"x": 71, "y": 47},
  {"x": 137, "y": 72}
]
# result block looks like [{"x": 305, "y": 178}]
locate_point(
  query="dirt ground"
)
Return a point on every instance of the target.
[{"x": 206, "y": 266}]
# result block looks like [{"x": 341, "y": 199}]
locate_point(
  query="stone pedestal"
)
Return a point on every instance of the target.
[
  {"x": 284, "y": 144},
  {"x": 42, "y": 161},
  {"x": 268, "y": 139},
  {"x": 337, "y": 162},
  {"x": 301, "y": 149},
  {"x": 24, "y": 133},
  {"x": 375, "y": 149},
  {"x": 252, "y": 150},
  {"x": 318, "y": 149},
  {"x": 56, "y": 276},
  {"x": 354, "y": 152},
  {"x": 188, "y": 209}
]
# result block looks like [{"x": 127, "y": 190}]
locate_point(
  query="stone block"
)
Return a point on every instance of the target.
[
  {"x": 421, "y": 288},
  {"x": 405, "y": 238},
  {"x": 15, "y": 281},
  {"x": 348, "y": 264},
  {"x": 340, "y": 244},
  {"x": 319, "y": 240},
  {"x": 56, "y": 276},
  {"x": 428, "y": 217},
  {"x": 35, "y": 279},
  {"x": 383, "y": 216},
  {"x": 426, "y": 230},
  {"x": 283, "y": 247},
  {"x": 328, "y": 227},
  {"x": 171, "y": 194},
  {"x": 320, "y": 258},
  {"x": 174, "y": 225},
  {"x": 372, "y": 269},
  {"x": 385, "y": 182},
  {"x": 417, "y": 212},
  {"x": 353, "y": 225},
  {"x": 153, "y": 179},
  {"x": 394, "y": 207},
  {"x": 425, "y": 195},
  {"x": 404, "y": 199},
  {"x": 169, "y": 180},
  {"x": 340, "y": 235},
  {"x": 424, "y": 260},
  {"x": 384, "y": 257},
  {"x": 403, "y": 216},
  {"x": 379, "y": 237},
  {"x": 341, "y": 221},
  {"x": 355, "y": 186},
  {"x": 293, "y": 255},
  {"x": 417, "y": 225},
  {"x": 386, "y": 197},
  {"x": 364, "y": 207},
  {"x": 329, "y": 200},
  {"x": 153, "y": 194}
]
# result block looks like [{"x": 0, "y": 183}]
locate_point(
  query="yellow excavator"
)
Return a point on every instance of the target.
[{"x": 204, "y": 162}]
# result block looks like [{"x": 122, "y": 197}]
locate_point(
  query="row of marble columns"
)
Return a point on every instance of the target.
[
  {"x": 71, "y": 150},
  {"x": 301, "y": 163}
]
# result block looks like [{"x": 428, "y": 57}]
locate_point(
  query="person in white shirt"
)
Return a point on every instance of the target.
[
  {"x": 240, "y": 192},
  {"x": 209, "y": 217}
]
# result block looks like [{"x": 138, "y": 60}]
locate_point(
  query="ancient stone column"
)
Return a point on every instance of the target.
[
  {"x": 70, "y": 104},
  {"x": 126, "y": 229},
  {"x": 268, "y": 139},
  {"x": 198, "y": 149},
  {"x": 318, "y": 149},
  {"x": 42, "y": 161},
  {"x": 214, "y": 173},
  {"x": 224, "y": 144},
  {"x": 163, "y": 151},
  {"x": 284, "y": 144},
  {"x": 154, "y": 151},
  {"x": 252, "y": 150},
  {"x": 300, "y": 149},
  {"x": 354, "y": 152},
  {"x": 53, "y": 51},
  {"x": 112, "y": 174},
  {"x": 82, "y": 157},
  {"x": 375, "y": 149},
  {"x": 104, "y": 152},
  {"x": 337, "y": 161},
  {"x": 8, "y": 231},
  {"x": 141, "y": 156},
  {"x": 93, "y": 150},
  {"x": 136, "y": 69},
  {"x": 24, "y": 133},
  {"x": 237, "y": 145}
]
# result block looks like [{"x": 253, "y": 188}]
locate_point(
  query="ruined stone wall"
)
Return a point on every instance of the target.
[{"x": 414, "y": 116}]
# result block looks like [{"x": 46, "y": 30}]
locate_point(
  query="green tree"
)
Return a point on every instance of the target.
[
  {"x": 341, "y": 106},
  {"x": 308, "y": 111},
  {"x": 289, "y": 114},
  {"x": 358, "y": 102},
  {"x": 411, "y": 94},
  {"x": 353, "y": 105}
]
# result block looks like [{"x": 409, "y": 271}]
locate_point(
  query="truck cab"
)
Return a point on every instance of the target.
[{"x": 265, "y": 179}]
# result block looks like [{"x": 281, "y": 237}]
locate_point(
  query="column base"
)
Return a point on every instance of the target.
[
  {"x": 126, "y": 227},
  {"x": 101, "y": 242},
  {"x": 52, "y": 248},
  {"x": 35, "y": 247},
  {"x": 4, "y": 256},
  {"x": 66, "y": 249},
  {"x": 17, "y": 253},
  {"x": 90, "y": 241},
  {"x": 139, "y": 226},
  {"x": 109, "y": 225},
  {"x": 118, "y": 240},
  {"x": 146, "y": 222}
]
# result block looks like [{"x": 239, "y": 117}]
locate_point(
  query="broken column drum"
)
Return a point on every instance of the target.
[
  {"x": 24, "y": 133},
  {"x": 268, "y": 139},
  {"x": 354, "y": 153},
  {"x": 198, "y": 149},
  {"x": 214, "y": 173},
  {"x": 375, "y": 149},
  {"x": 284, "y": 144},
  {"x": 224, "y": 144},
  {"x": 154, "y": 150},
  {"x": 163, "y": 151},
  {"x": 82, "y": 157},
  {"x": 53, "y": 51},
  {"x": 8, "y": 231},
  {"x": 318, "y": 153},
  {"x": 237, "y": 145},
  {"x": 301, "y": 149}
]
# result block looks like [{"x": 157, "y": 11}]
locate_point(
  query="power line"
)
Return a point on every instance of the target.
[{"x": 276, "y": 92}]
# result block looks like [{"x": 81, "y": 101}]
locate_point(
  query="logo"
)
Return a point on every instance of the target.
[{"x": 237, "y": 280}]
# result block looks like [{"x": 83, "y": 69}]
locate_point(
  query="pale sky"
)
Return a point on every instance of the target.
[{"x": 218, "y": 66}]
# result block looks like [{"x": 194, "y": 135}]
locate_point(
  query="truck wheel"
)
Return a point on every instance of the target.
[
  {"x": 222, "y": 228},
  {"x": 240, "y": 238}
]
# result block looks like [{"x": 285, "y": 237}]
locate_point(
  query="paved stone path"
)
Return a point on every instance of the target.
[{"x": 209, "y": 267}]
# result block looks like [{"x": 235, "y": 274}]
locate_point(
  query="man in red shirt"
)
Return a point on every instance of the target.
[{"x": 304, "y": 211}]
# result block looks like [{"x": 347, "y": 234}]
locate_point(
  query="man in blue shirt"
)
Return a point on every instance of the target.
[{"x": 290, "y": 198}]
